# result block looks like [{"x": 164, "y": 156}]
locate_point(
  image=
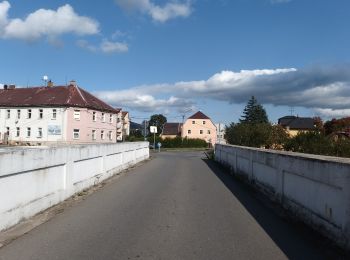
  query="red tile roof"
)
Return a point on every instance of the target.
[
  {"x": 66, "y": 96},
  {"x": 198, "y": 115}
]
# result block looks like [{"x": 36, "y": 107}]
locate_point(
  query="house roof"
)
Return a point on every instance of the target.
[
  {"x": 66, "y": 96},
  {"x": 198, "y": 115},
  {"x": 124, "y": 113},
  {"x": 297, "y": 123},
  {"x": 172, "y": 129}
]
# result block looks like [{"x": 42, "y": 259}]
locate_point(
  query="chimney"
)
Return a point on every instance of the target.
[
  {"x": 50, "y": 83},
  {"x": 73, "y": 83}
]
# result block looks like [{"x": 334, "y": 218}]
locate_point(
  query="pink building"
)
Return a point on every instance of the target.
[
  {"x": 200, "y": 126},
  {"x": 55, "y": 114}
]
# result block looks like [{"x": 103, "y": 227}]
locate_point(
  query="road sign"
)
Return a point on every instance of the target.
[{"x": 153, "y": 129}]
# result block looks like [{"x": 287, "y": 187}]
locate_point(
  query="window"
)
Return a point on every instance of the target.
[
  {"x": 18, "y": 114},
  {"x": 8, "y": 115},
  {"x": 102, "y": 135},
  {"x": 77, "y": 114},
  {"x": 17, "y": 131},
  {"x": 93, "y": 116},
  {"x": 29, "y": 113},
  {"x": 201, "y": 132},
  {"x": 40, "y": 114},
  {"x": 40, "y": 132},
  {"x": 111, "y": 118},
  {"x": 93, "y": 134},
  {"x": 193, "y": 122},
  {"x": 76, "y": 133},
  {"x": 28, "y": 131},
  {"x": 103, "y": 117},
  {"x": 110, "y": 135},
  {"x": 189, "y": 131},
  {"x": 203, "y": 122},
  {"x": 7, "y": 131},
  {"x": 208, "y": 132},
  {"x": 54, "y": 113}
]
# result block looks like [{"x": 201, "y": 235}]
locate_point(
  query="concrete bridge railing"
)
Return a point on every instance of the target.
[
  {"x": 315, "y": 188},
  {"x": 34, "y": 179}
]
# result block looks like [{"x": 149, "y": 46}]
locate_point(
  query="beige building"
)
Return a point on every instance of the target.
[
  {"x": 126, "y": 124},
  {"x": 171, "y": 130},
  {"x": 295, "y": 125},
  {"x": 200, "y": 126}
]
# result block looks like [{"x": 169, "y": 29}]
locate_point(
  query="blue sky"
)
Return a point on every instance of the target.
[{"x": 172, "y": 57}]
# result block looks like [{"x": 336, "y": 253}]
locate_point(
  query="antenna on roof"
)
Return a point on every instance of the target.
[{"x": 45, "y": 79}]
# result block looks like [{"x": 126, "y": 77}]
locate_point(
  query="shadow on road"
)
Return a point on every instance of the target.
[{"x": 296, "y": 240}]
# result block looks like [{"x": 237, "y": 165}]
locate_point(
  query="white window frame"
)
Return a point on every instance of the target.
[
  {"x": 103, "y": 116},
  {"x": 208, "y": 132},
  {"x": 40, "y": 132},
  {"x": 18, "y": 131},
  {"x": 200, "y": 132},
  {"x": 41, "y": 113},
  {"x": 29, "y": 131},
  {"x": 76, "y": 131},
  {"x": 189, "y": 131},
  {"x": 29, "y": 113},
  {"x": 193, "y": 122},
  {"x": 102, "y": 135},
  {"x": 8, "y": 113},
  {"x": 110, "y": 134},
  {"x": 54, "y": 114},
  {"x": 111, "y": 118},
  {"x": 18, "y": 114},
  {"x": 203, "y": 122},
  {"x": 94, "y": 116},
  {"x": 93, "y": 134},
  {"x": 76, "y": 114}
]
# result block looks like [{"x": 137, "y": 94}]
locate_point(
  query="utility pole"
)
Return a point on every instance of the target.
[{"x": 144, "y": 133}]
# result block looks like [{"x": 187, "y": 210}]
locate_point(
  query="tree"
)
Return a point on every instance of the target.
[
  {"x": 254, "y": 112},
  {"x": 158, "y": 120}
]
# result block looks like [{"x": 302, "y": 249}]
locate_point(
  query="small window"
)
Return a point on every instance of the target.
[
  {"x": 7, "y": 131},
  {"x": 18, "y": 131},
  {"x": 203, "y": 122},
  {"x": 201, "y": 132},
  {"x": 93, "y": 135},
  {"x": 110, "y": 136},
  {"x": 40, "y": 132},
  {"x": 28, "y": 131},
  {"x": 93, "y": 116},
  {"x": 8, "y": 114},
  {"x": 29, "y": 113},
  {"x": 189, "y": 131},
  {"x": 103, "y": 117},
  {"x": 54, "y": 113},
  {"x": 77, "y": 114},
  {"x": 208, "y": 132},
  {"x": 193, "y": 122},
  {"x": 102, "y": 135},
  {"x": 18, "y": 114},
  {"x": 110, "y": 118},
  {"x": 76, "y": 133},
  {"x": 41, "y": 114}
]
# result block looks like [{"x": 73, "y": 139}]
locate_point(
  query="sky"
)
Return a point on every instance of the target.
[{"x": 175, "y": 57}]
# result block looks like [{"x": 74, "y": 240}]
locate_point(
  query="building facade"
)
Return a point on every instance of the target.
[
  {"x": 126, "y": 124},
  {"x": 295, "y": 124},
  {"x": 53, "y": 115},
  {"x": 171, "y": 130},
  {"x": 200, "y": 126}
]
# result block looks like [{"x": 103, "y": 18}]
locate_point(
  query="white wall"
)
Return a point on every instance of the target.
[
  {"x": 34, "y": 179},
  {"x": 315, "y": 188}
]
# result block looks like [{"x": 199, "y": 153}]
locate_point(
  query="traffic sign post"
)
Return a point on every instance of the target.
[{"x": 153, "y": 129}]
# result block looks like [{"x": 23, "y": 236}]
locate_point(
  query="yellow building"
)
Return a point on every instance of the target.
[{"x": 295, "y": 125}]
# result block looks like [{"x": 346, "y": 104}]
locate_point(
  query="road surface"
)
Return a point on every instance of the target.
[{"x": 176, "y": 206}]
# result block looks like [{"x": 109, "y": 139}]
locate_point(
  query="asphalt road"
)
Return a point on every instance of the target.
[{"x": 176, "y": 206}]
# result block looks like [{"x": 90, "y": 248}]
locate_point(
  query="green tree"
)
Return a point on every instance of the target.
[
  {"x": 254, "y": 112},
  {"x": 158, "y": 120}
]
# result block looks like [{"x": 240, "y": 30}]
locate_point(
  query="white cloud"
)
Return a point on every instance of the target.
[
  {"x": 326, "y": 90},
  {"x": 105, "y": 46},
  {"x": 45, "y": 23},
  {"x": 158, "y": 13}
]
